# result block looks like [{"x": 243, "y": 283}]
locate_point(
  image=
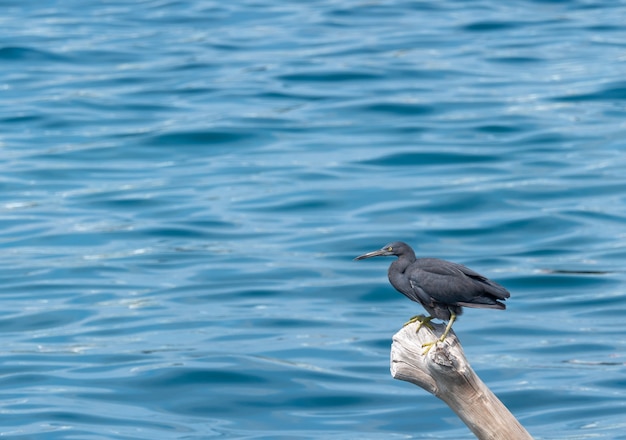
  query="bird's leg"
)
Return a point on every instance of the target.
[
  {"x": 430, "y": 345},
  {"x": 423, "y": 320}
]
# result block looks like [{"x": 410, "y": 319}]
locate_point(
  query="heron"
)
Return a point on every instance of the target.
[{"x": 442, "y": 287}]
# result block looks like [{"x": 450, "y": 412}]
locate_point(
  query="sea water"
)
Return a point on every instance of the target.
[{"x": 184, "y": 185}]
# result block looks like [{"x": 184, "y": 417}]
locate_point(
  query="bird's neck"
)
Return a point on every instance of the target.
[
  {"x": 396, "y": 273},
  {"x": 400, "y": 265}
]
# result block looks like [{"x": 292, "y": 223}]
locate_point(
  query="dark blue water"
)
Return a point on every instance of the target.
[{"x": 184, "y": 184}]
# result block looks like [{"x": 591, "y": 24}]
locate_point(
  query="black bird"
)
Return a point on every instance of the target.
[{"x": 441, "y": 287}]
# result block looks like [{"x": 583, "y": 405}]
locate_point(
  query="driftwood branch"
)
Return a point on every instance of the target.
[{"x": 445, "y": 372}]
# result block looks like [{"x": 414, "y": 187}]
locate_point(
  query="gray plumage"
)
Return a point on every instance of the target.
[{"x": 440, "y": 286}]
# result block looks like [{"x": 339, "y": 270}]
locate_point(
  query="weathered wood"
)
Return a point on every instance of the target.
[{"x": 445, "y": 372}]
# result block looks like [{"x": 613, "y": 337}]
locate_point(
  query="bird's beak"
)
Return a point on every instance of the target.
[{"x": 378, "y": 253}]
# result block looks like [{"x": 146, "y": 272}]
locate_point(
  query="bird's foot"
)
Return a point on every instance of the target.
[
  {"x": 423, "y": 320},
  {"x": 430, "y": 345}
]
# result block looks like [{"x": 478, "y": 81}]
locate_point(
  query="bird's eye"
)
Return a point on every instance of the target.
[{"x": 389, "y": 248}]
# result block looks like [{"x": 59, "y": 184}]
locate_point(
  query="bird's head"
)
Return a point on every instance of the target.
[{"x": 397, "y": 248}]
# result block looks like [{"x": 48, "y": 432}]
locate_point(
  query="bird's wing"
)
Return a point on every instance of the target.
[
  {"x": 491, "y": 287},
  {"x": 451, "y": 283}
]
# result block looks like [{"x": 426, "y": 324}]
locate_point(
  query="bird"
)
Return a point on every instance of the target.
[{"x": 442, "y": 287}]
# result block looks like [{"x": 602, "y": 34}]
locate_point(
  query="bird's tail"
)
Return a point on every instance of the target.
[{"x": 484, "y": 302}]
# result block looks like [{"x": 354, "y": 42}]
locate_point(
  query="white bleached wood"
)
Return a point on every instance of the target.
[{"x": 445, "y": 373}]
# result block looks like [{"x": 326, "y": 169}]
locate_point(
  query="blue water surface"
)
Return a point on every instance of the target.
[{"x": 184, "y": 184}]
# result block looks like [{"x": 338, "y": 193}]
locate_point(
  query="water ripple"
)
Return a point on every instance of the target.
[{"x": 184, "y": 186}]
